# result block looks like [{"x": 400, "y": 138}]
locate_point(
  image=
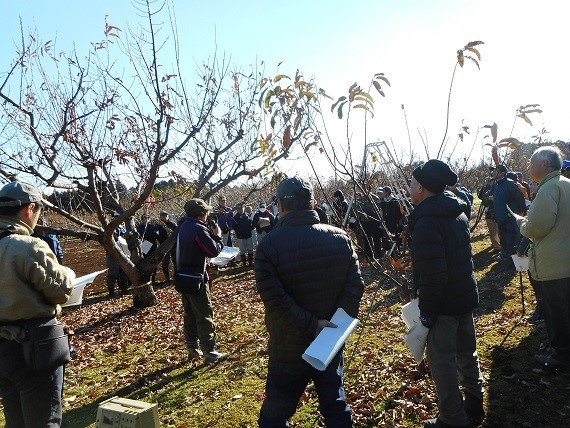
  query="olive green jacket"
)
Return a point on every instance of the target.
[
  {"x": 32, "y": 282},
  {"x": 547, "y": 224}
]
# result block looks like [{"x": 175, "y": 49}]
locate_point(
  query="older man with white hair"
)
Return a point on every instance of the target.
[{"x": 547, "y": 224}]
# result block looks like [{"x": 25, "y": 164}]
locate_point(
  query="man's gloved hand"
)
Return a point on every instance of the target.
[{"x": 428, "y": 321}]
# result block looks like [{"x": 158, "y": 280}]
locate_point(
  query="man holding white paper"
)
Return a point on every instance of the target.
[
  {"x": 447, "y": 292},
  {"x": 305, "y": 271},
  {"x": 547, "y": 224}
]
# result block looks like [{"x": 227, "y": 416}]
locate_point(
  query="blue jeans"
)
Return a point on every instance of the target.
[
  {"x": 30, "y": 398},
  {"x": 286, "y": 383}
]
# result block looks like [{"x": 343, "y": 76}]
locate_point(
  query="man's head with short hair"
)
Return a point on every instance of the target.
[
  {"x": 295, "y": 194},
  {"x": 196, "y": 208},
  {"x": 543, "y": 161},
  {"x": 500, "y": 171},
  {"x": 387, "y": 190},
  {"x": 21, "y": 200}
]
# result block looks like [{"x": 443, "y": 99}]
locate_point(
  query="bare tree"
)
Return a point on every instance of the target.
[{"x": 88, "y": 123}]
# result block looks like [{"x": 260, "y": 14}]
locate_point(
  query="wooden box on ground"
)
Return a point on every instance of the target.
[{"x": 117, "y": 412}]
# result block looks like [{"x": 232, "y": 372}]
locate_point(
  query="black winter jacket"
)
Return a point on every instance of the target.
[
  {"x": 304, "y": 272},
  {"x": 441, "y": 257}
]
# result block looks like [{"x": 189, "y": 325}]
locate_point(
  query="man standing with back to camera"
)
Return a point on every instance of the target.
[
  {"x": 304, "y": 272},
  {"x": 32, "y": 286},
  {"x": 447, "y": 291}
]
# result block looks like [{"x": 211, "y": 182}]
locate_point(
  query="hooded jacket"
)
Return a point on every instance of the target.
[
  {"x": 304, "y": 272},
  {"x": 33, "y": 284},
  {"x": 441, "y": 257}
]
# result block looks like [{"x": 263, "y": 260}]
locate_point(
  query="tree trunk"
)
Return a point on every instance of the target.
[{"x": 143, "y": 295}]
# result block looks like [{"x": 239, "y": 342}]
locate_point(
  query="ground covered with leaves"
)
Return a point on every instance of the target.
[{"x": 140, "y": 354}]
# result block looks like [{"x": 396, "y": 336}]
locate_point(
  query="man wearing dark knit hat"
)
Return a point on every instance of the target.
[
  {"x": 304, "y": 272},
  {"x": 447, "y": 292}
]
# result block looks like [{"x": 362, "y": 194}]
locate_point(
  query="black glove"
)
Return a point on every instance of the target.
[{"x": 428, "y": 321}]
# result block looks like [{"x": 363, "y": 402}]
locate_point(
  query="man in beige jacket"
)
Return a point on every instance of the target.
[
  {"x": 547, "y": 224},
  {"x": 32, "y": 286}
]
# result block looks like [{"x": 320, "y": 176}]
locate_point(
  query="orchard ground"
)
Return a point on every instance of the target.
[{"x": 139, "y": 354}]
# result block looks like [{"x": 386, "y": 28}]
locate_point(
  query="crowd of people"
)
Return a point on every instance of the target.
[{"x": 305, "y": 270}]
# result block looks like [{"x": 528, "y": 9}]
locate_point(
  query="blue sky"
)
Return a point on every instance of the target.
[{"x": 338, "y": 43}]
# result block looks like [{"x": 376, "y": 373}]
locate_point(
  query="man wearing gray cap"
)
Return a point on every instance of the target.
[
  {"x": 304, "y": 272},
  {"x": 32, "y": 286}
]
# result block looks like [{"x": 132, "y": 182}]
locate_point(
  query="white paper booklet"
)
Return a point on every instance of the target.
[
  {"x": 411, "y": 313},
  {"x": 76, "y": 297},
  {"x": 325, "y": 346},
  {"x": 146, "y": 246},
  {"x": 521, "y": 263},
  {"x": 416, "y": 338},
  {"x": 225, "y": 256}
]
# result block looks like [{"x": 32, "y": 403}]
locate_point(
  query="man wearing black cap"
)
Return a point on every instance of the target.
[
  {"x": 304, "y": 272},
  {"x": 507, "y": 194},
  {"x": 196, "y": 243},
  {"x": 447, "y": 292},
  {"x": 32, "y": 287}
]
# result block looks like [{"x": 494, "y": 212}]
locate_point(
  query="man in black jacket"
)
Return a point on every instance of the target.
[
  {"x": 304, "y": 271},
  {"x": 447, "y": 291}
]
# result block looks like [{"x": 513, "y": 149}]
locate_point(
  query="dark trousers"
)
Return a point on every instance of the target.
[
  {"x": 115, "y": 275},
  {"x": 372, "y": 238},
  {"x": 509, "y": 235},
  {"x": 171, "y": 255},
  {"x": 556, "y": 312},
  {"x": 286, "y": 383},
  {"x": 452, "y": 356},
  {"x": 537, "y": 288},
  {"x": 199, "y": 320},
  {"x": 30, "y": 398}
]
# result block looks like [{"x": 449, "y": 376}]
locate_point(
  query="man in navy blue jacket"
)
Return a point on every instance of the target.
[
  {"x": 196, "y": 243},
  {"x": 447, "y": 292},
  {"x": 507, "y": 194},
  {"x": 304, "y": 272}
]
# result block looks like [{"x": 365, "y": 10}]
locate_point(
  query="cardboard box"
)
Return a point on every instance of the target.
[{"x": 117, "y": 412}]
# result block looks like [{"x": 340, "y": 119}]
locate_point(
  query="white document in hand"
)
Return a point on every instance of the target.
[
  {"x": 79, "y": 284},
  {"x": 521, "y": 263},
  {"x": 416, "y": 340},
  {"x": 325, "y": 346},
  {"x": 146, "y": 246},
  {"x": 515, "y": 215},
  {"x": 417, "y": 334}
]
